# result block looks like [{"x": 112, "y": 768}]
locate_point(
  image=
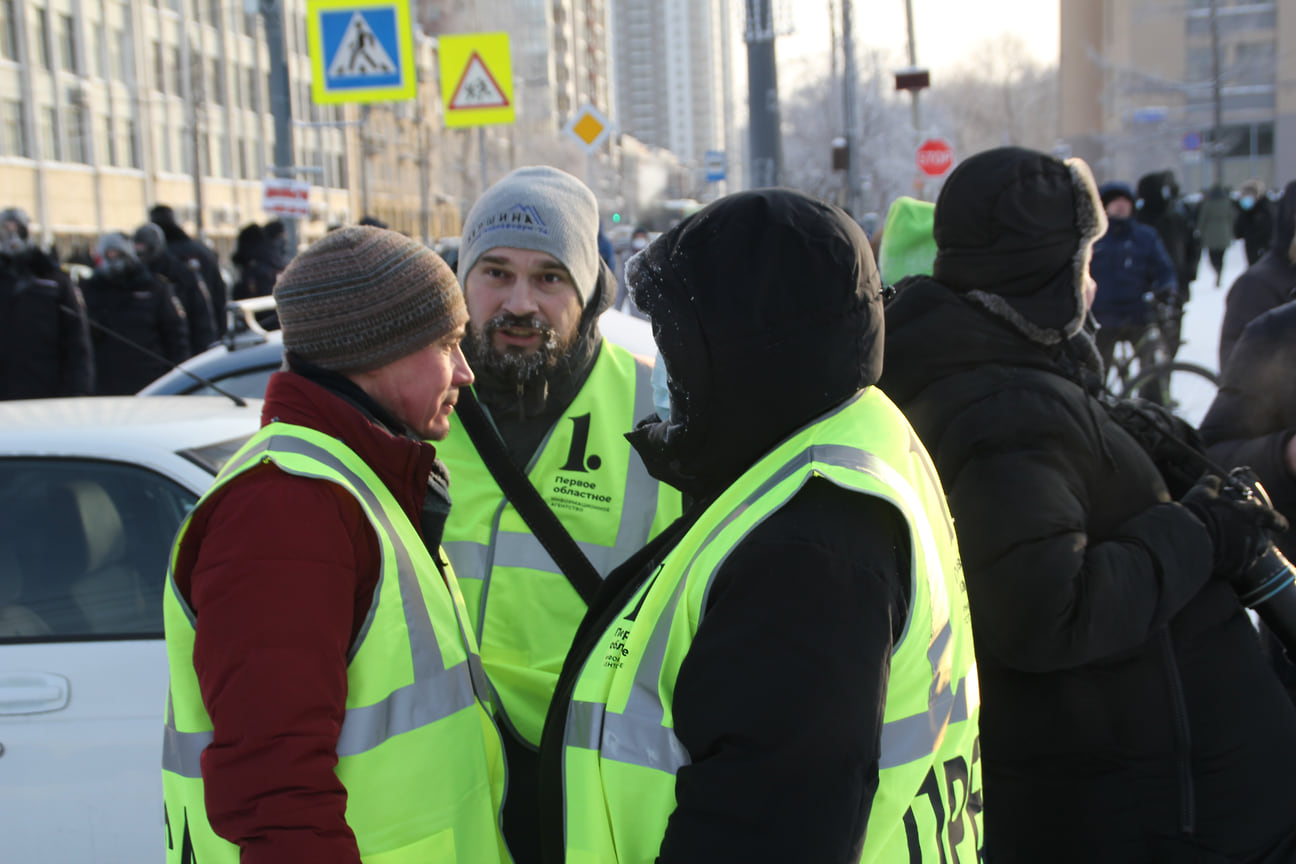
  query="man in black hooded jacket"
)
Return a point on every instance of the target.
[
  {"x": 1267, "y": 283},
  {"x": 767, "y": 727},
  {"x": 44, "y": 339},
  {"x": 1128, "y": 713},
  {"x": 197, "y": 257}
]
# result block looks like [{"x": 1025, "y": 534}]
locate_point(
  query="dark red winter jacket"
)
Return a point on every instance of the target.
[{"x": 280, "y": 571}]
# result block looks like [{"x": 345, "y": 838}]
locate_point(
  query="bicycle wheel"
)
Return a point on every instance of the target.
[{"x": 1185, "y": 388}]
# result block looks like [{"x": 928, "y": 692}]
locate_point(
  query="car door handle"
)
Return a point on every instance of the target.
[{"x": 32, "y": 692}]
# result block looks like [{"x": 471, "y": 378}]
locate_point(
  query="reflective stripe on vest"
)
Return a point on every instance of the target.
[
  {"x": 438, "y": 694},
  {"x": 504, "y": 570},
  {"x": 632, "y": 753}
]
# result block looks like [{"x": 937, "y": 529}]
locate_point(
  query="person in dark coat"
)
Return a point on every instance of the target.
[
  {"x": 1215, "y": 218},
  {"x": 1129, "y": 262},
  {"x": 1265, "y": 284},
  {"x": 142, "y": 332},
  {"x": 1128, "y": 714},
  {"x": 1158, "y": 209},
  {"x": 197, "y": 257},
  {"x": 1255, "y": 220},
  {"x": 44, "y": 340},
  {"x": 254, "y": 257},
  {"x": 766, "y": 308},
  {"x": 1252, "y": 422},
  {"x": 150, "y": 246}
]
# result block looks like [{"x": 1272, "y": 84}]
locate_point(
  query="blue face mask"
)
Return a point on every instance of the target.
[
  {"x": 1247, "y": 202},
  {"x": 661, "y": 393}
]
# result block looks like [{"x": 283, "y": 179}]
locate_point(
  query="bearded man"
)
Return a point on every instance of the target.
[{"x": 549, "y": 495}]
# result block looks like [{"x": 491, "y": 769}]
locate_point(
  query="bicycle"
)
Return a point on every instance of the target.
[{"x": 1185, "y": 388}]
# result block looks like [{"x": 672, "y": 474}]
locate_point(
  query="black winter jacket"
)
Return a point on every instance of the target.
[
  {"x": 192, "y": 295},
  {"x": 44, "y": 340},
  {"x": 145, "y": 311},
  {"x": 1254, "y": 412},
  {"x": 1267, "y": 283},
  {"x": 197, "y": 257},
  {"x": 1127, "y": 712},
  {"x": 779, "y": 700}
]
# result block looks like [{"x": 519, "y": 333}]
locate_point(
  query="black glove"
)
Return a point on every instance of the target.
[
  {"x": 1173, "y": 445},
  {"x": 1241, "y": 528}
]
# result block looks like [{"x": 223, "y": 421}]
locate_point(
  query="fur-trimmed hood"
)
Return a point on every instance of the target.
[{"x": 1014, "y": 231}]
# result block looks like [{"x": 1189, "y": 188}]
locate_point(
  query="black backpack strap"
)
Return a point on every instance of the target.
[{"x": 525, "y": 499}]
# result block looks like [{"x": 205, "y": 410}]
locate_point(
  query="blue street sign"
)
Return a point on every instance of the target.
[
  {"x": 361, "y": 50},
  {"x": 715, "y": 166}
]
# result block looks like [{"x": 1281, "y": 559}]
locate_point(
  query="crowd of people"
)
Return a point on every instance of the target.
[{"x": 865, "y": 565}]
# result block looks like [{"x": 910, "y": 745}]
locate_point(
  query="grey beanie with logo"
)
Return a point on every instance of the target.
[{"x": 541, "y": 209}]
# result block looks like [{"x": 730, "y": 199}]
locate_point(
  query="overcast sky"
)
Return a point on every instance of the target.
[{"x": 945, "y": 30}]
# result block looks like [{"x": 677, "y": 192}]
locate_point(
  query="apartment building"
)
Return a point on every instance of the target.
[
  {"x": 1142, "y": 80},
  {"x": 110, "y": 106},
  {"x": 675, "y": 77}
]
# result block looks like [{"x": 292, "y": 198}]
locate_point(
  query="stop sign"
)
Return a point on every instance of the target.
[{"x": 935, "y": 157}]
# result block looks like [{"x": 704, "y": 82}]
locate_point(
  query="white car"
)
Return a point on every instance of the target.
[
  {"x": 92, "y": 491},
  {"x": 241, "y": 365}
]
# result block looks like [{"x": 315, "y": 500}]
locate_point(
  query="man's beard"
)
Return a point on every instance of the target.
[{"x": 514, "y": 365}]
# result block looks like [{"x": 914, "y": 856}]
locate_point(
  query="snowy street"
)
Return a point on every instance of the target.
[{"x": 1201, "y": 325}]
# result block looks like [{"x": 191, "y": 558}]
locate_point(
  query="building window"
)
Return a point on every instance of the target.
[
  {"x": 214, "y": 13},
  {"x": 177, "y": 70},
  {"x": 253, "y": 91},
  {"x": 42, "y": 38},
  {"x": 160, "y": 77},
  {"x": 78, "y": 138},
  {"x": 117, "y": 55},
  {"x": 108, "y": 151},
  {"x": 227, "y": 168},
  {"x": 94, "y": 65},
  {"x": 48, "y": 133},
  {"x": 13, "y": 138},
  {"x": 215, "y": 83},
  {"x": 66, "y": 44},
  {"x": 8, "y": 35},
  {"x": 127, "y": 142}
]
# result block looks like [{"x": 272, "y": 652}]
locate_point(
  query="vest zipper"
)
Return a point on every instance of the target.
[{"x": 1183, "y": 739}]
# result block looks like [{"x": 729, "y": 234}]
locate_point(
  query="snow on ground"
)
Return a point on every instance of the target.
[{"x": 1201, "y": 325}]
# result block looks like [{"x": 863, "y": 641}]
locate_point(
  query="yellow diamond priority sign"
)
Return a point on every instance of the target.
[{"x": 590, "y": 127}]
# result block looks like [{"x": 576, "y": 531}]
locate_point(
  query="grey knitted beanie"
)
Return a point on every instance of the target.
[
  {"x": 361, "y": 297},
  {"x": 541, "y": 209}
]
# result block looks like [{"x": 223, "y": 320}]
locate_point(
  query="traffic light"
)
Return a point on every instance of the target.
[{"x": 616, "y": 218}]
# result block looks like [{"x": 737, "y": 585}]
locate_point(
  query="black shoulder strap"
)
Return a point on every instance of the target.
[{"x": 525, "y": 499}]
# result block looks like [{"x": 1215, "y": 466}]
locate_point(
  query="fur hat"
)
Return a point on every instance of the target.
[
  {"x": 1014, "y": 232},
  {"x": 362, "y": 297}
]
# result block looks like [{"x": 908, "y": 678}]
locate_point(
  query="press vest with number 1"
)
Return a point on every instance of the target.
[
  {"x": 620, "y": 750},
  {"x": 524, "y": 609},
  {"x": 418, "y": 753}
]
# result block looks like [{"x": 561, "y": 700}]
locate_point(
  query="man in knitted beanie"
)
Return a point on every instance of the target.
[
  {"x": 541, "y": 443},
  {"x": 322, "y": 669}
]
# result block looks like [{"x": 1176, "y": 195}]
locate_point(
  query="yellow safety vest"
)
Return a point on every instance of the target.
[
  {"x": 524, "y": 609},
  {"x": 418, "y": 753},
  {"x": 620, "y": 749}
]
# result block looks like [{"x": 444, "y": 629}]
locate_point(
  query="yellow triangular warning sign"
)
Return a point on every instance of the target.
[{"x": 478, "y": 88}]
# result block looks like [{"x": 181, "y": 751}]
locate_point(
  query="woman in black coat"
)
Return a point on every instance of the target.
[{"x": 1127, "y": 712}]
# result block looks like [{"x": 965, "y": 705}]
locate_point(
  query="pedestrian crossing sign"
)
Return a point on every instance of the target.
[
  {"x": 476, "y": 79},
  {"x": 360, "y": 50}
]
